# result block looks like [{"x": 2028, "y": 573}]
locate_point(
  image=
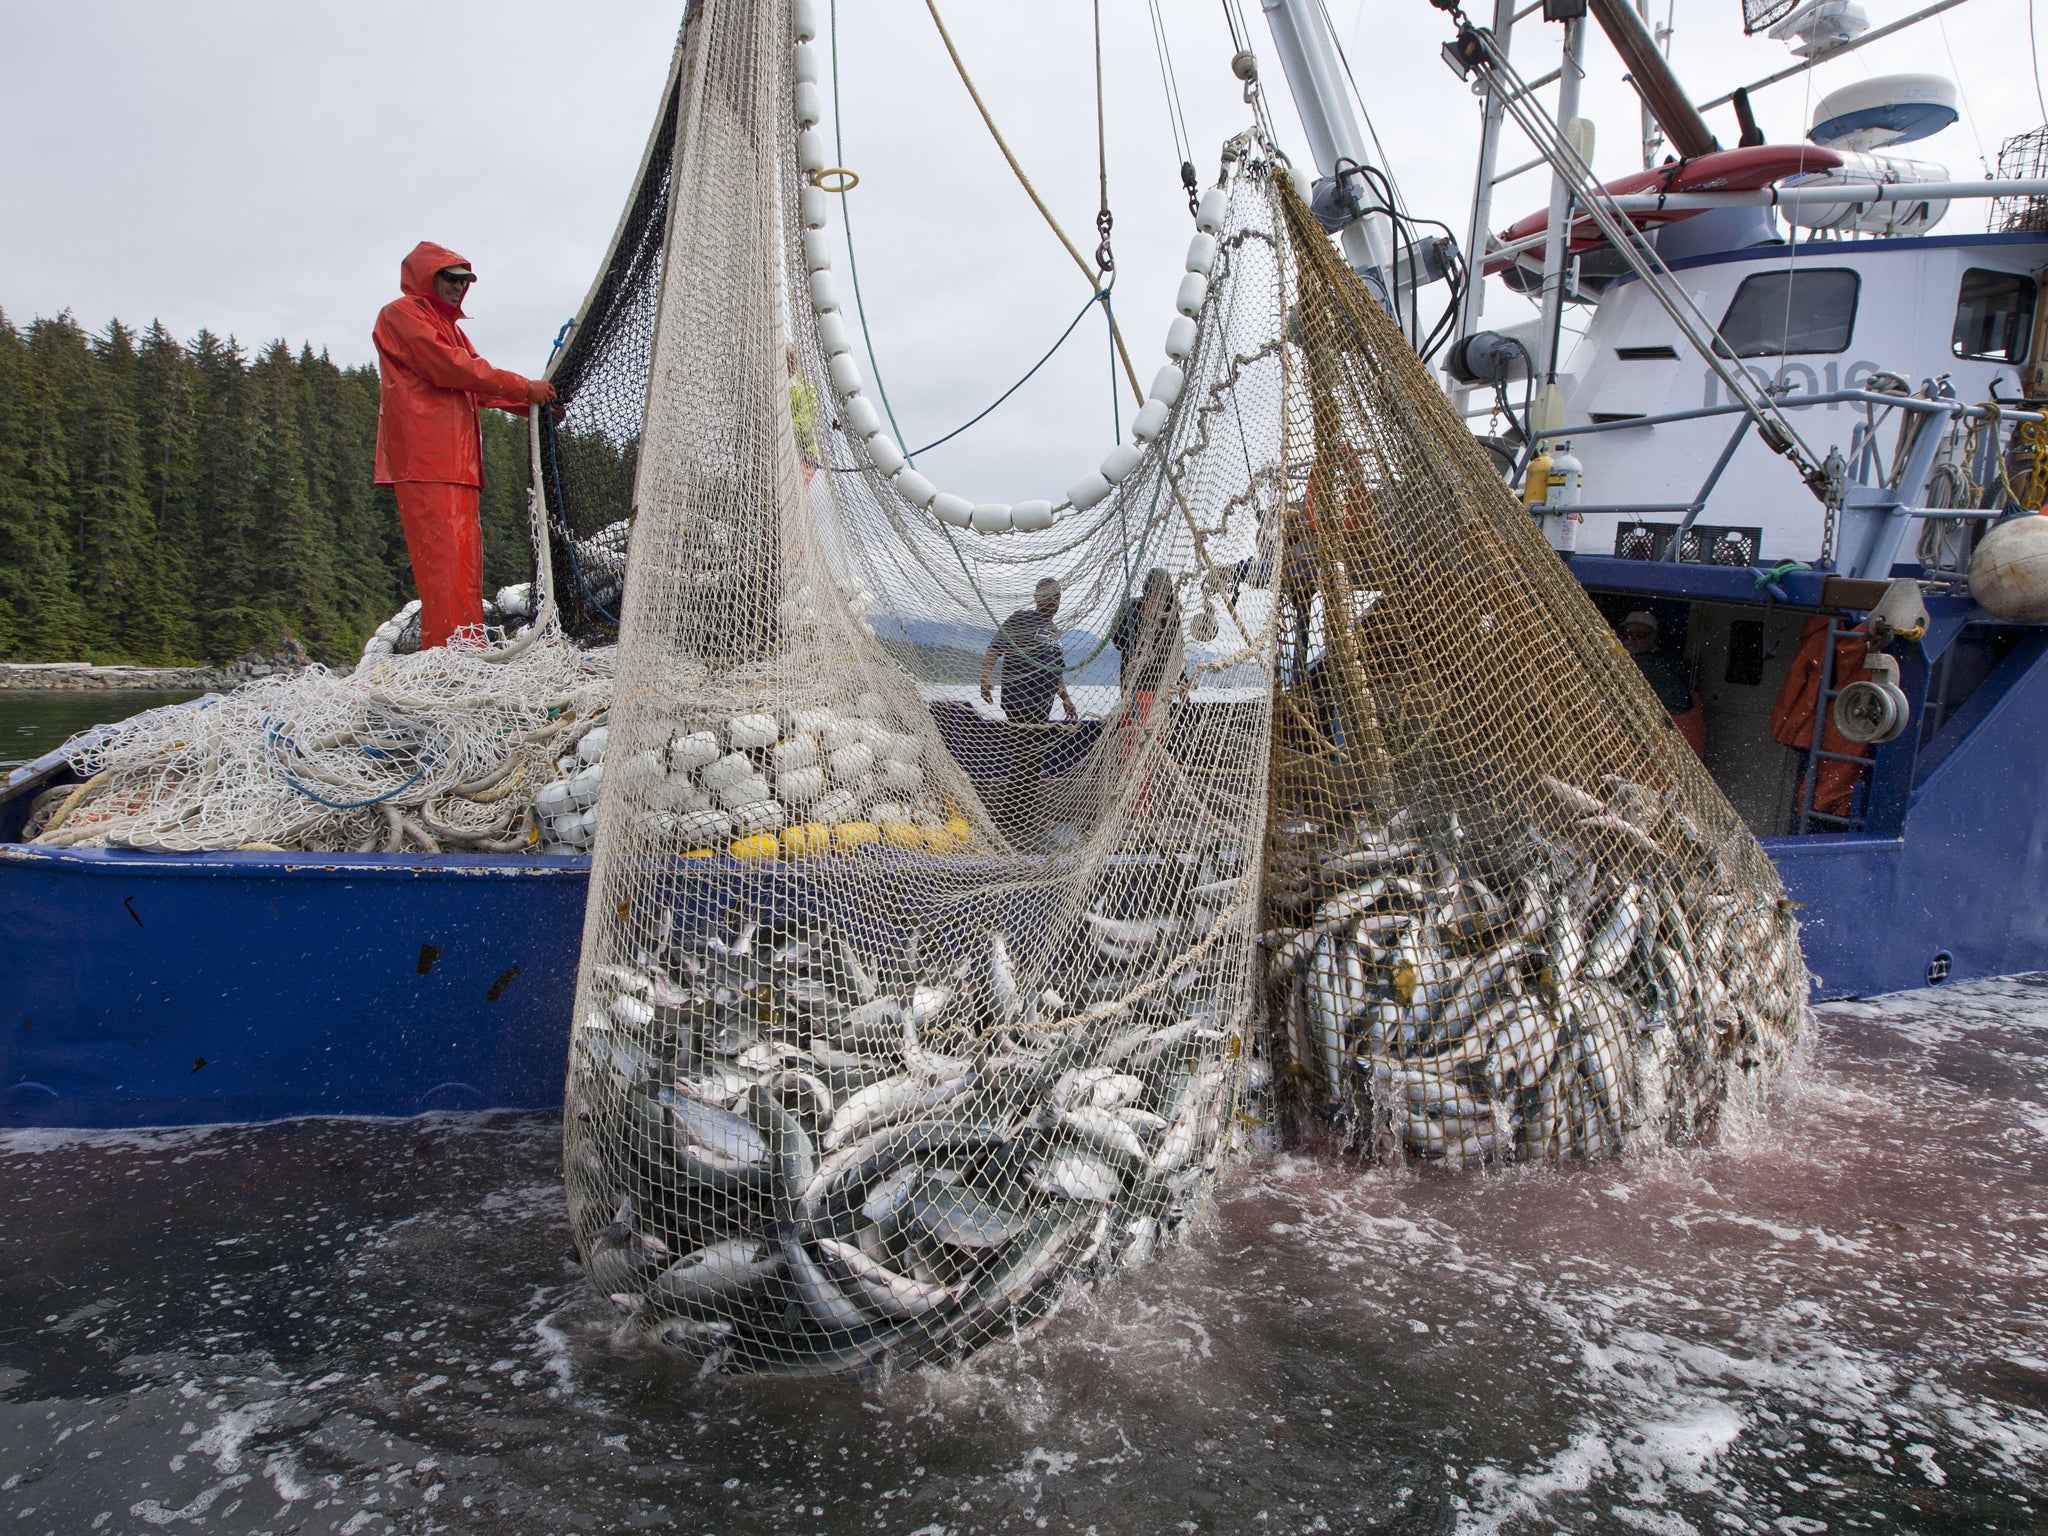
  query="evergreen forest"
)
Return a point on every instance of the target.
[{"x": 170, "y": 503}]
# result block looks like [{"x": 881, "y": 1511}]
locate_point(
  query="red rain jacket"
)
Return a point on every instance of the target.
[{"x": 433, "y": 382}]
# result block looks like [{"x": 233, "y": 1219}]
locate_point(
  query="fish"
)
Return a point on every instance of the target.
[
  {"x": 895, "y": 1098},
  {"x": 1076, "y": 1175},
  {"x": 890, "y": 1195},
  {"x": 961, "y": 1217},
  {"x": 886, "y": 1293},
  {"x": 716, "y": 1136},
  {"x": 1574, "y": 797},
  {"x": 1137, "y": 935},
  {"x": 1101, "y": 1129},
  {"x": 718, "y": 1275},
  {"x": 1002, "y": 973},
  {"x": 821, "y": 1298}
]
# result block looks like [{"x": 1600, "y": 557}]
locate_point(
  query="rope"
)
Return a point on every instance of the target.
[
  {"x": 1094, "y": 277},
  {"x": 1103, "y": 296}
]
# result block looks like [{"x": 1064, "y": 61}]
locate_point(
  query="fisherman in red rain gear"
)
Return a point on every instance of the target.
[{"x": 429, "y": 445}]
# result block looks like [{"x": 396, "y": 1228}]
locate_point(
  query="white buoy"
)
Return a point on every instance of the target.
[
  {"x": 905, "y": 778},
  {"x": 1087, "y": 491},
  {"x": 693, "y": 750},
  {"x": 591, "y": 748},
  {"x": 1031, "y": 516},
  {"x": 1209, "y": 213},
  {"x": 729, "y": 769},
  {"x": 818, "y": 250},
  {"x": 839, "y": 805},
  {"x": 751, "y": 790},
  {"x": 2009, "y": 571},
  {"x": 991, "y": 517},
  {"x": 761, "y": 816},
  {"x": 810, "y": 151},
  {"x": 748, "y": 733},
  {"x": 845, "y": 373},
  {"x": 861, "y": 414},
  {"x": 1180, "y": 337},
  {"x": 586, "y": 786},
  {"x": 882, "y": 449},
  {"x": 703, "y": 829},
  {"x": 809, "y": 722},
  {"x": 806, "y": 64},
  {"x": 849, "y": 763},
  {"x": 800, "y": 785},
  {"x": 1121, "y": 460},
  {"x": 1167, "y": 384},
  {"x": 957, "y": 510},
  {"x": 809, "y": 108},
  {"x": 803, "y": 19},
  {"x": 1194, "y": 292},
  {"x": 825, "y": 293},
  {"x": 914, "y": 488},
  {"x": 810, "y": 202},
  {"x": 1201, "y": 254},
  {"x": 797, "y": 752},
  {"x": 833, "y": 335},
  {"x": 1150, "y": 420}
]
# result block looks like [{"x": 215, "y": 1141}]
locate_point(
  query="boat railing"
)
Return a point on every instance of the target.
[{"x": 1872, "y": 518}]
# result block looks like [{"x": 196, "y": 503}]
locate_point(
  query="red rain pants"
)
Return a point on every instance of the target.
[{"x": 445, "y": 538}]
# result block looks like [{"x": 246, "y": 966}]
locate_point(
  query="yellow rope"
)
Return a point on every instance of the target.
[{"x": 1094, "y": 277}]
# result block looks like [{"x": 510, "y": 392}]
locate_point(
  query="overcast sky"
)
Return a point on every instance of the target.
[{"x": 260, "y": 169}]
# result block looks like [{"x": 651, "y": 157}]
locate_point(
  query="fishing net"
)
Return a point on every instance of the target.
[
  {"x": 1512, "y": 917},
  {"x": 589, "y": 455},
  {"x": 443, "y": 750},
  {"x": 897, "y": 1018}
]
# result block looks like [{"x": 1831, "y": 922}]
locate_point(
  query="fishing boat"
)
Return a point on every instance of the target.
[{"x": 1791, "y": 440}]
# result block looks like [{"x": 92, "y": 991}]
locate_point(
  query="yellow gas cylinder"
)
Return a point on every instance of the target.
[{"x": 1536, "y": 481}]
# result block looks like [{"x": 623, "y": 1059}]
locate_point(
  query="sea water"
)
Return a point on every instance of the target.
[
  {"x": 36, "y": 720},
  {"x": 1833, "y": 1320}
]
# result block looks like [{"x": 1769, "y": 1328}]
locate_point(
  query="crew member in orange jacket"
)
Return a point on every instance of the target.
[{"x": 429, "y": 445}]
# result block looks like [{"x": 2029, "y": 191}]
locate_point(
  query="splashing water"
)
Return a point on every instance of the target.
[{"x": 1831, "y": 1321}]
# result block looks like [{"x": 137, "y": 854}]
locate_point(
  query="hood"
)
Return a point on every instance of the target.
[{"x": 416, "y": 272}]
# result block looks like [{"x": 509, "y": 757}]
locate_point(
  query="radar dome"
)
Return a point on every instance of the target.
[{"x": 1891, "y": 109}]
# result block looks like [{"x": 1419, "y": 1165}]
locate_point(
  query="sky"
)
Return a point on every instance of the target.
[{"x": 261, "y": 169}]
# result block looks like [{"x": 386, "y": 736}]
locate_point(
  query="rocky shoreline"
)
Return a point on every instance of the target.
[{"x": 83, "y": 676}]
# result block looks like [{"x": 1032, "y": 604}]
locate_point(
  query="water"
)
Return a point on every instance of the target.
[
  {"x": 1837, "y": 1321},
  {"x": 34, "y": 720}
]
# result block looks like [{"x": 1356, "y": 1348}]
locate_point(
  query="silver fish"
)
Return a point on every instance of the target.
[
  {"x": 896, "y": 1098},
  {"x": 719, "y": 1274},
  {"x": 821, "y": 1298},
  {"x": 1075, "y": 1175},
  {"x": 898, "y": 1297},
  {"x": 962, "y": 1217}
]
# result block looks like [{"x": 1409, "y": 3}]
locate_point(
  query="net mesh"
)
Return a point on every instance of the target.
[
  {"x": 897, "y": 1021},
  {"x": 1762, "y": 15},
  {"x": 1512, "y": 918},
  {"x": 589, "y": 456}
]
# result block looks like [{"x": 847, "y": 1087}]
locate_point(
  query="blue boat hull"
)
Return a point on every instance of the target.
[{"x": 152, "y": 990}]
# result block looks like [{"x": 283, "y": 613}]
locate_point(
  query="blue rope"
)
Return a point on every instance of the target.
[
  {"x": 1116, "y": 419},
  {"x": 1103, "y": 296},
  {"x": 356, "y": 805},
  {"x": 560, "y": 336}
]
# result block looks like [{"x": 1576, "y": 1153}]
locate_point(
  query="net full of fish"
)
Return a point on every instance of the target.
[
  {"x": 1603, "y": 983},
  {"x": 810, "y": 1146}
]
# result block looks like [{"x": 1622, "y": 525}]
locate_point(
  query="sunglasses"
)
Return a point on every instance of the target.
[{"x": 464, "y": 278}]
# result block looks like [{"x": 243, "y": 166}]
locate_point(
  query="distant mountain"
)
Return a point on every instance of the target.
[{"x": 932, "y": 648}]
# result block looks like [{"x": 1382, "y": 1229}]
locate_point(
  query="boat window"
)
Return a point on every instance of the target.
[
  {"x": 1994, "y": 316},
  {"x": 1808, "y": 309}
]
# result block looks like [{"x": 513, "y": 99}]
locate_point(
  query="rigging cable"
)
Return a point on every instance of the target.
[
  {"x": 1104, "y": 222},
  {"x": 1176, "y": 118},
  {"x": 1094, "y": 277}
]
